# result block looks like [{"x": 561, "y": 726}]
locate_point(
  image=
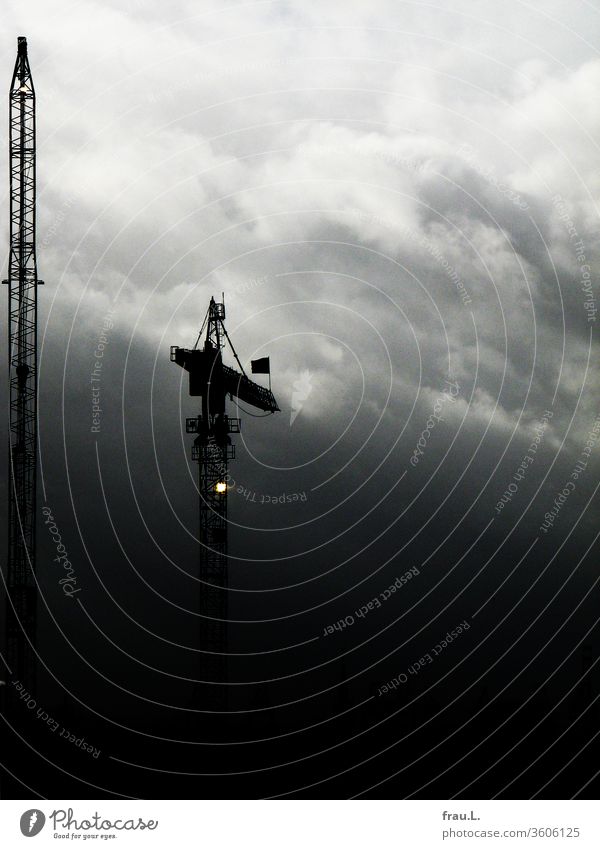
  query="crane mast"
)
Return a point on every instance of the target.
[
  {"x": 22, "y": 364},
  {"x": 212, "y": 449}
]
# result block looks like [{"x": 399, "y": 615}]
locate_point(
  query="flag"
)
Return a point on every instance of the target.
[{"x": 261, "y": 366}]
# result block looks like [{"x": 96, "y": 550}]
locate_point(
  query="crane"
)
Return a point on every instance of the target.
[
  {"x": 212, "y": 380},
  {"x": 22, "y": 365}
]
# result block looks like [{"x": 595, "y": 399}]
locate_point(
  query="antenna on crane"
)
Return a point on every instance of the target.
[
  {"x": 212, "y": 381},
  {"x": 22, "y": 364}
]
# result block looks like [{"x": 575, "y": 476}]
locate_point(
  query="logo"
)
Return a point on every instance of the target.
[{"x": 32, "y": 822}]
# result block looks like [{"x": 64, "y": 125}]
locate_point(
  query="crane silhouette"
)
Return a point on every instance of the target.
[{"x": 211, "y": 380}]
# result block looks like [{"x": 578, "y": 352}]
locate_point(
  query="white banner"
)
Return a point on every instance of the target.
[{"x": 301, "y": 824}]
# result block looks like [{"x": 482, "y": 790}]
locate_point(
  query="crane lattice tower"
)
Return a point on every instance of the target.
[
  {"x": 22, "y": 363},
  {"x": 211, "y": 379}
]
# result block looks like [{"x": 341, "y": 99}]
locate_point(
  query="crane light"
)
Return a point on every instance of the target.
[{"x": 221, "y": 487}]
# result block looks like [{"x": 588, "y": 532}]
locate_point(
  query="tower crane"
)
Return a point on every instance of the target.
[
  {"x": 212, "y": 381},
  {"x": 22, "y": 364}
]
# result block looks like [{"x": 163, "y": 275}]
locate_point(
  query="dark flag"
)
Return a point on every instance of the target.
[{"x": 261, "y": 366}]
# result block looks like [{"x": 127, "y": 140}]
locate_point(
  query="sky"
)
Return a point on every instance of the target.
[{"x": 399, "y": 201}]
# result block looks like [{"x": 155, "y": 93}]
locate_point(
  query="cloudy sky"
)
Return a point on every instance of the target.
[{"x": 400, "y": 203}]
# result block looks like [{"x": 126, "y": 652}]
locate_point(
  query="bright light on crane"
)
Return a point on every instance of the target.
[{"x": 221, "y": 487}]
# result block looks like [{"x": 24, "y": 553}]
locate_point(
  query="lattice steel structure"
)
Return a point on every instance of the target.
[
  {"x": 22, "y": 362},
  {"x": 212, "y": 380}
]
